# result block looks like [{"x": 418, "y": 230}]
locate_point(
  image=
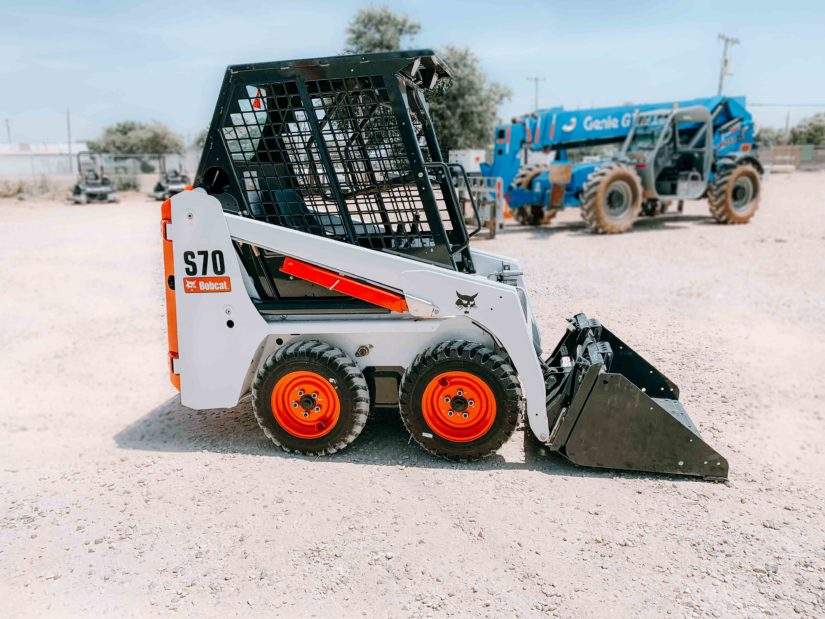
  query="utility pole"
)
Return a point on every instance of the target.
[
  {"x": 728, "y": 42},
  {"x": 536, "y": 79},
  {"x": 69, "y": 135}
]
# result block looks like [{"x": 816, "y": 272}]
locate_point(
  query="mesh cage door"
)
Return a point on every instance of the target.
[{"x": 329, "y": 157}]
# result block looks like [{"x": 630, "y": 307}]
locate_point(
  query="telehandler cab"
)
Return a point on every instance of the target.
[{"x": 322, "y": 264}]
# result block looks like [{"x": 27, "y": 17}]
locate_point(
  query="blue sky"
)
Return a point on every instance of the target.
[{"x": 163, "y": 60}]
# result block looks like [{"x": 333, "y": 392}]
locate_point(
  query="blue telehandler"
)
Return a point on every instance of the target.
[{"x": 669, "y": 151}]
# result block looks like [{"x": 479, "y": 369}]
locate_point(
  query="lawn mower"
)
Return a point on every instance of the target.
[
  {"x": 92, "y": 185},
  {"x": 169, "y": 182}
]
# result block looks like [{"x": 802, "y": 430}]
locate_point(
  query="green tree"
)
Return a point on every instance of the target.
[
  {"x": 464, "y": 107},
  {"x": 200, "y": 139},
  {"x": 378, "y": 29},
  {"x": 131, "y": 137},
  {"x": 768, "y": 136},
  {"x": 810, "y": 131}
]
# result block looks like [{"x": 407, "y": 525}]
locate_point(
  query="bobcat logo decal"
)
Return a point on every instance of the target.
[{"x": 465, "y": 301}]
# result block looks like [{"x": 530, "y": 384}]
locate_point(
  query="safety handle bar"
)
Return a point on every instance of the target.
[
  {"x": 460, "y": 167},
  {"x": 445, "y": 169}
]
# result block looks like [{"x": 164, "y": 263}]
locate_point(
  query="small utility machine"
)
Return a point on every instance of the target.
[
  {"x": 322, "y": 264},
  {"x": 171, "y": 181},
  {"x": 92, "y": 184}
]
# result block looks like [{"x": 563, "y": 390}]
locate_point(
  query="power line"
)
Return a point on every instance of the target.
[
  {"x": 725, "y": 62},
  {"x": 536, "y": 79},
  {"x": 786, "y": 104}
]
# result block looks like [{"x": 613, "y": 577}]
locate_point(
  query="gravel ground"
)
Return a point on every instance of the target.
[{"x": 115, "y": 500}]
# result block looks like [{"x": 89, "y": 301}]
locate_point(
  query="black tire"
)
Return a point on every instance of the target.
[
  {"x": 343, "y": 376},
  {"x": 734, "y": 196},
  {"x": 485, "y": 365},
  {"x": 532, "y": 215},
  {"x": 521, "y": 215},
  {"x": 654, "y": 207},
  {"x": 612, "y": 199}
]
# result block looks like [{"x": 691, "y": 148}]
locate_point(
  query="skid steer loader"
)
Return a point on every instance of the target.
[{"x": 322, "y": 264}]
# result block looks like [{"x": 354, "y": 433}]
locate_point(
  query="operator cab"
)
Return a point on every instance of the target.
[{"x": 671, "y": 150}]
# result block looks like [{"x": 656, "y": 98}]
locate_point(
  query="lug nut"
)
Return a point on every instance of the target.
[
  {"x": 471, "y": 402},
  {"x": 459, "y": 392},
  {"x": 450, "y": 413},
  {"x": 446, "y": 398},
  {"x": 465, "y": 415},
  {"x": 314, "y": 395},
  {"x": 306, "y": 414},
  {"x": 317, "y": 409},
  {"x": 300, "y": 392},
  {"x": 294, "y": 405}
]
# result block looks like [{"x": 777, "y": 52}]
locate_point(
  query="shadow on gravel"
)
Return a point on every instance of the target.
[
  {"x": 673, "y": 221},
  {"x": 172, "y": 427}
]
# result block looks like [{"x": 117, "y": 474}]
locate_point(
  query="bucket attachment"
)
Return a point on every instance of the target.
[{"x": 609, "y": 408}]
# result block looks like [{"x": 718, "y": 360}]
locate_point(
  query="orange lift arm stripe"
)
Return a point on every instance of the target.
[
  {"x": 350, "y": 287},
  {"x": 169, "y": 278}
]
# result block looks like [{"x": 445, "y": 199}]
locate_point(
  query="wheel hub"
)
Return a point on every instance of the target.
[
  {"x": 618, "y": 199},
  {"x": 458, "y": 406},
  {"x": 742, "y": 193},
  {"x": 305, "y": 404}
]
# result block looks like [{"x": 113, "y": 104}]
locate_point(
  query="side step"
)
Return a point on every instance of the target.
[{"x": 609, "y": 408}]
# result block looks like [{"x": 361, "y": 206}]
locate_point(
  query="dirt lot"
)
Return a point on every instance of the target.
[{"x": 115, "y": 500}]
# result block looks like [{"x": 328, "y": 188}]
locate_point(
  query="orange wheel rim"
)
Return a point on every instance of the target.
[
  {"x": 305, "y": 404},
  {"x": 458, "y": 406}
]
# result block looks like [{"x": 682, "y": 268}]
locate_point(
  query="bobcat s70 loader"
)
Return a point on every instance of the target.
[{"x": 322, "y": 264}]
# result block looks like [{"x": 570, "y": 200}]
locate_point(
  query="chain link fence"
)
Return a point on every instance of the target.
[{"x": 45, "y": 168}]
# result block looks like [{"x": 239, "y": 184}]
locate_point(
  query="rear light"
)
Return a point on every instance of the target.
[{"x": 641, "y": 166}]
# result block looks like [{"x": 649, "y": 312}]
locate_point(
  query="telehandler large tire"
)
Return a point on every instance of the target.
[
  {"x": 460, "y": 400},
  {"x": 734, "y": 196},
  {"x": 612, "y": 199},
  {"x": 311, "y": 398}
]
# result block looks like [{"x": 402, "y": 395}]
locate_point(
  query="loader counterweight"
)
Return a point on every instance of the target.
[{"x": 326, "y": 269}]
